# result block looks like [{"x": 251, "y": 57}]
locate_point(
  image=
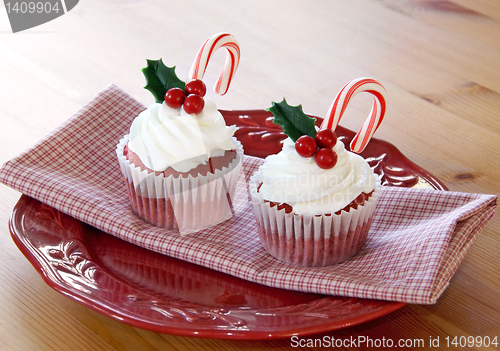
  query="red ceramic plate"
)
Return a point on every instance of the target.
[{"x": 163, "y": 294}]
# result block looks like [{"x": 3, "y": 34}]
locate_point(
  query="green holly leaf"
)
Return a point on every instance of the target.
[
  {"x": 292, "y": 120},
  {"x": 160, "y": 78}
]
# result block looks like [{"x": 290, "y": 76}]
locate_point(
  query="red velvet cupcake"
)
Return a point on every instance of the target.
[
  {"x": 313, "y": 201},
  {"x": 180, "y": 161}
]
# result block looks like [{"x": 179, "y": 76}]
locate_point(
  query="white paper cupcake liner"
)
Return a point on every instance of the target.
[
  {"x": 312, "y": 240},
  {"x": 187, "y": 203}
]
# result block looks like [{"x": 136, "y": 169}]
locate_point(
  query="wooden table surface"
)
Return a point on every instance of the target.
[{"x": 439, "y": 61}]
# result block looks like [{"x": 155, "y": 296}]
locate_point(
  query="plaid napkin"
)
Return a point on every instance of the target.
[{"x": 416, "y": 242}]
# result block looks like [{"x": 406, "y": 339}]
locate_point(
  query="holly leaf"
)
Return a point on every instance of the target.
[
  {"x": 292, "y": 120},
  {"x": 160, "y": 78}
]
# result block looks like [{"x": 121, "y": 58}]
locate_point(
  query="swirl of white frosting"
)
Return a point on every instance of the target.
[
  {"x": 297, "y": 181},
  {"x": 164, "y": 137}
]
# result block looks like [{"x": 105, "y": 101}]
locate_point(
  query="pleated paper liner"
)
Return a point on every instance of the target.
[
  {"x": 188, "y": 204},
  {"x": 312, "y": 240}
]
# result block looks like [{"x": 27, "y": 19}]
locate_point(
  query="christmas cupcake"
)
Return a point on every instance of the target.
[
  {"x": 314, "y": 200},
  {"x": 180, "y": 161}
]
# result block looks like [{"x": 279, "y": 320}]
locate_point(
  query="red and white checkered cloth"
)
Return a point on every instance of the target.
[{"x": 416, "y": 242}]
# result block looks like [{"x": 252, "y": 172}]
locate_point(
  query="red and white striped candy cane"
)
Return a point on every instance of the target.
[
  {"x": 373, "y": 121},
  {"x": 206, "y": 51}
]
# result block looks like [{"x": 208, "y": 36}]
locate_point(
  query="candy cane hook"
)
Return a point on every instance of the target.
[
  {"x": 375, "y": 117},
  {"x": 206, "y": 51}
]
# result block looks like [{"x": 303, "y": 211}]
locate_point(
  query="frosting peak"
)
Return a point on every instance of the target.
[
  {"x": 165, "y": 137},
  {"x": 290, "y": 178}
]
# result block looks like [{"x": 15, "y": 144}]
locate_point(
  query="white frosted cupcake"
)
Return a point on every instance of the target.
[
  {"x": 313, "y": 201},
  {"x": 309, "y": 216},
  {"x": 180, "y": 161},
  {"x": 180, "y": 170}
]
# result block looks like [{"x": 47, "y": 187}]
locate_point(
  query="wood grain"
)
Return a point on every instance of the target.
[{"x": 438, "y": 59}]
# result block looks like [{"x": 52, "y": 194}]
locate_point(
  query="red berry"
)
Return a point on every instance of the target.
[
  {"x": 326, "y": 138},
  {"x": 196, "y": 86},
  {"x": 326, "y": 158},
  {"x": 194, "y": 103},
  {"x": 306, "y": 146},
  {"x": 175, "y": 97}
]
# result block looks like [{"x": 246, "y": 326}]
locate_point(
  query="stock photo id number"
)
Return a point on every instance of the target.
[{"x": 28, "y": 14}]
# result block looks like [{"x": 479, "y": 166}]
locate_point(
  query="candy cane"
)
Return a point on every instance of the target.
[
  {"x": 200, "y": 63},
  {"x": 373, "y": 121}
]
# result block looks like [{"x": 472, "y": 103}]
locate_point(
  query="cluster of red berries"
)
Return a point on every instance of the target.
[
  {"x": 320, "y": 147},
  {"x": 191, "y": 98}
]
